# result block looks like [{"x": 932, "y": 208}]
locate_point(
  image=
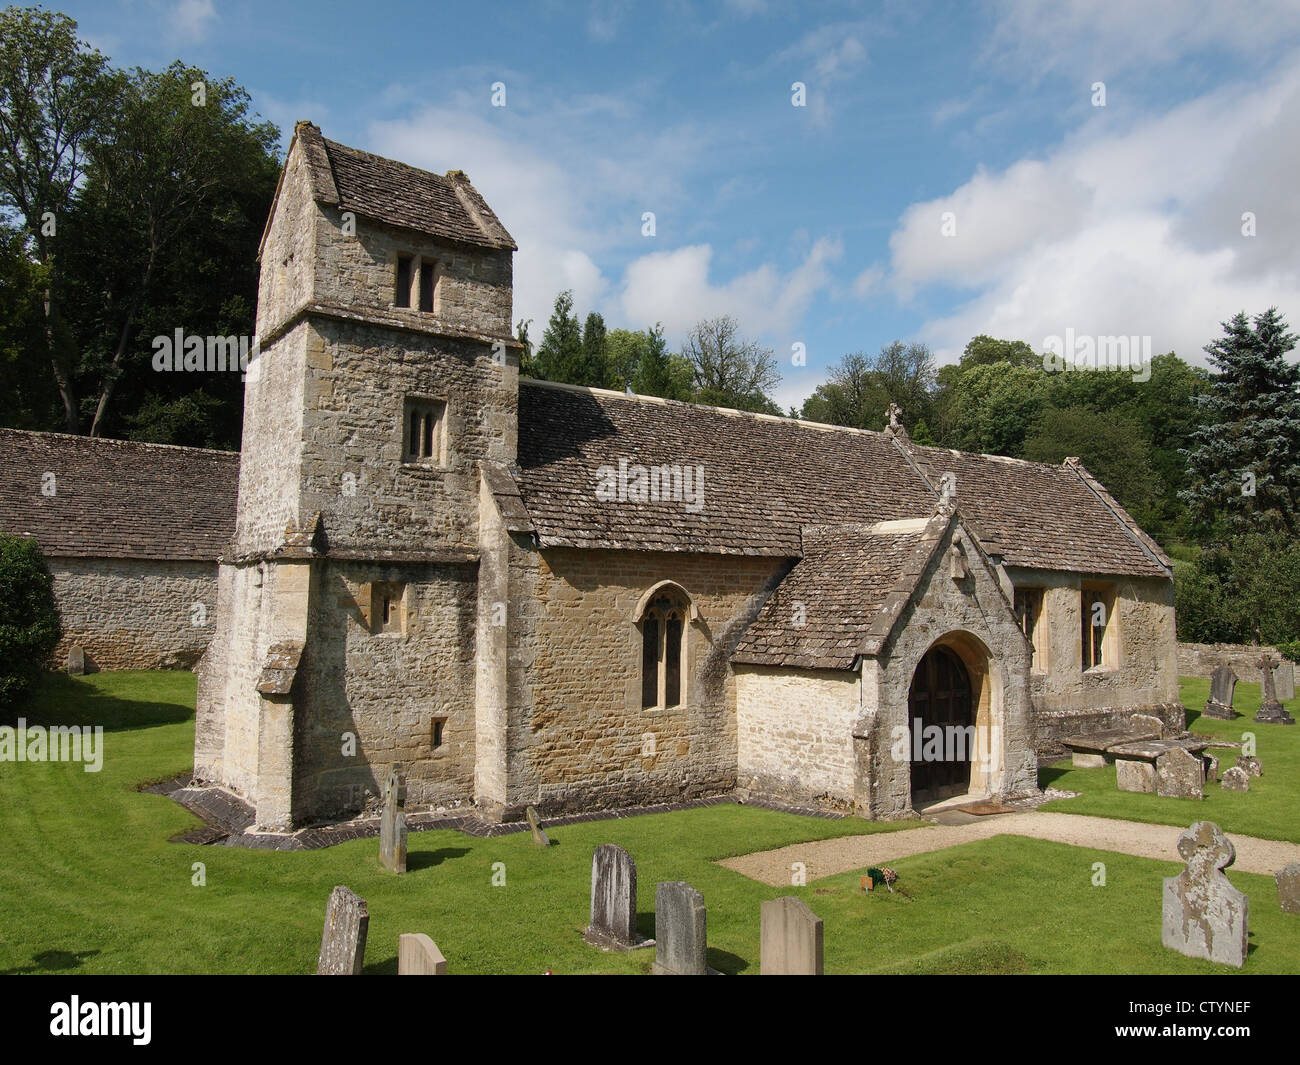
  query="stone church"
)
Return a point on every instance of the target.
[{"x": 529, "y": 593}]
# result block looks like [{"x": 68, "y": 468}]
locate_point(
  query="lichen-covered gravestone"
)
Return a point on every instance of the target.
[
  {"x": 1250, "y": 764},
  {"x": 1235, "y": 779},
  {"x": 535, "y": 826},
  {"x": 1271, "y": 711},
  {"x": 1288, "y": 887},
  {"x": 1180, "y": 775},
  {"x": 1147, "y": 723},
  {"x": 1211, "y": 769},
  {"x": 1223, "y": 682},
  {"x": 392, "y": 827},
  {"x": 791, "y": 939},
  {"x": 418, "y": 955},
  {"x": 613, "y": 899},
  {"x": 681, "y": 938},
  {"x": 343, "y": 943},
  {"x": 1204, "y": 915}
]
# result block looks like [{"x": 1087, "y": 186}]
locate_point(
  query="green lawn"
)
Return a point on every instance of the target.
[
  {"x": 89, "y": 883},
  {"x": 1271, "y": 809}
]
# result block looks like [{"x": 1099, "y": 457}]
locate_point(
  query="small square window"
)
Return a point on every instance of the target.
[{"x": 422, "y": 428}]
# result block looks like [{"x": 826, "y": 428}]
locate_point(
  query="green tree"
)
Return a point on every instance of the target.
[
  {"x": 991, "y": 407},
  {"x": 984, "y": 350},
  {"x": 28, "y": 399},
  {"x": 594, "y": 370},
  {"x": 852, "y": 395},
  {"x": 559, "y": 355},
  {"x": 29, "y": 619},
  {"x": 1243, "y": 461},
  {"x": 55, "y": 93},
  {"x": 728, "y": 369}
]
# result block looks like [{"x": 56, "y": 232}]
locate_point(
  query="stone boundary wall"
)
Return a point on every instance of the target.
[
  {"x": 1200, "y": 660},
  {"x": 128, "y": 613}
]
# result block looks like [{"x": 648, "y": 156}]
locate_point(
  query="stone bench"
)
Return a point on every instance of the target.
[
  {"x": 1138, "y": 765},
  {"x": 1091, "y": 751}
]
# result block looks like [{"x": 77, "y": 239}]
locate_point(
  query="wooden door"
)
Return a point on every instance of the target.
[{"x": 940, "y": 695}]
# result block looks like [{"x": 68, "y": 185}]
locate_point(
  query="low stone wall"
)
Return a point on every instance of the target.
[
  {"x": 134, "y": 613},
  {"x": 1201, "y": 659}
]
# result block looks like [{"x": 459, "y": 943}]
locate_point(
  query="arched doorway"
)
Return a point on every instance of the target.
[{"x": 941, "y": 720}]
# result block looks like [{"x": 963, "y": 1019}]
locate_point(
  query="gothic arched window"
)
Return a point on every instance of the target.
[{"x": 663, "y": 625}]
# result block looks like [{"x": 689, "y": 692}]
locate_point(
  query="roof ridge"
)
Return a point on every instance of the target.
[
  {"x": 122, "y": 443},
  {"x": 1061, "y": 466},
  {"x": 635, "y": 397}
]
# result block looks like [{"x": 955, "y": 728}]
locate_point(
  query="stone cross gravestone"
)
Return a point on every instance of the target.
[
  {"x": 791, "y": 939},
  {"x": 392, "y": 828},
  {"x": 535, "y": 824},
  {"x": 613, "y": 899},
  {"x": 1223, "y": 683},
  {"x": 1180, "y": 775},
  {"x": 1204, "y": 915},
  {"x": 681, "y": 939},
  {"x": 1288, "y": 887},
  {"x": 418, "y": 955},
  {"x": 343, "y": 943},
  {"x": 1271, "y": 711},
  {"x": 1235, "y": 778}
]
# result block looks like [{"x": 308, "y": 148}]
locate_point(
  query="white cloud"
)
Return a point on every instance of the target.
[
  {"x": 190, "y": 20},
  {"x": 1133, "y": 231}
]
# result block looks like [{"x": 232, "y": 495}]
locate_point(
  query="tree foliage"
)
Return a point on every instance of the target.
[{"x": 29, "y": 619}]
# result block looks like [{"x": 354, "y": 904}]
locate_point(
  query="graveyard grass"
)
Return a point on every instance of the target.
[
  {"x": 90, "y": 883},
  {"x": 1268, "y": 810}
]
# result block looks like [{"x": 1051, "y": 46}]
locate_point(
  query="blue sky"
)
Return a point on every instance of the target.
[{"x": 821, "y": 224}]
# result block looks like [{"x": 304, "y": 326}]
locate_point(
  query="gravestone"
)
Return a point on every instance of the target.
[
  {"x": 1147, "y": 724},
  {"x": 1251, "y": 764},
  {"x": 1223, "y": 683},
  {"x": 392, "y": 827},
  {"x": 1204, "y": 915},
  {"x": 681, "y": 939},
  {"x": 1180, "y": 775},
  {"x": 1288, "y": 887},
  {"x": 1271, "y": 711},
  {"x": 1284, "y": 679},
  {"x": 76, "y": 661},
  {"x": 613, "y": 899},
  {"x": 535, "y": 824},
  {"x": 791, "y": 939},
  {"x": 1211, "y": 769},
  {"x": 1235, "y": 779},
  {"x": 343, "y": 943},
  {"x": 418, "y": 955}
]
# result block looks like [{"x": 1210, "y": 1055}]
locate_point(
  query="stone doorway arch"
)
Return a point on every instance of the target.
[{"x": 954, "y": 687}]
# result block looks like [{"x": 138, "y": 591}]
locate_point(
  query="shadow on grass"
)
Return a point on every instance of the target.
[
  {"x": 726, "y": 962},
  {"x": 65, "y": 700},
  {"x": 1049, "y": 775},
  {"x": 51, "y": 961},
  {"x": 428, "y": 859}
]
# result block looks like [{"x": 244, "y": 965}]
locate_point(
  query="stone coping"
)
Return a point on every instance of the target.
[
  {"x": 1102, "y": 742},
  {"x": 1150, "y": 750}
]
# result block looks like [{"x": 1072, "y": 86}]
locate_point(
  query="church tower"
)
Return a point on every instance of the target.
[{"x": 348, "y": 600}]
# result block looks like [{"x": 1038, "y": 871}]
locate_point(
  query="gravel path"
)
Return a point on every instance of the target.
[{"x": 827, "y": 857}]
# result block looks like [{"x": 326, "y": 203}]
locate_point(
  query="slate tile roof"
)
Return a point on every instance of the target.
[
  {"x": 841, "y": 591},
  {"x": 766, "y": 478},
  {"x": 117, "y": 499},
  {"x": 398, "y": 194}
]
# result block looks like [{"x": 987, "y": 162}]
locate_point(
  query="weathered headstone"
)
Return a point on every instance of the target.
[
  {"x": 1211, "y": 769},
  {"x": 1271, "y": 711},
  {"x": 1251, "y": 764},
  {"x": 790, "y": 939},
  {"x": 535, "y": 825},
  {"x": 1204, "y": 915},
  {"x": 418, "y": 955},
  {"x": 1235, "y": 779},
  {"x": 1147, "y": 723},
  {"x": 1284, "y": 679},
  {"x": 1288, "y": 887},
  {"x": 681, "y": 939},
  {"x": 76, "y": 661},
  {"x": 343, "y": 943},
  {"x": 392, "y": 827},
  {"x": 1180, "y": 775},
  {"x": 1223, "y": 682},
  {"x": 613, "y": 899}
]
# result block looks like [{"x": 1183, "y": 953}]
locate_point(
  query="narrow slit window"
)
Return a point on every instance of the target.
[
  {"x": 650, "y": 662},
  {"x": 428, "y": 278},
  {"x": 439, "y": 725},
  {"x": 402, "y": 289}
]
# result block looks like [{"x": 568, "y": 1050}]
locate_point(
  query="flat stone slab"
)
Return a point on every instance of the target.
[
  {"x": 1150, "y": 750},
  {"x": 1102, "y": 742}
]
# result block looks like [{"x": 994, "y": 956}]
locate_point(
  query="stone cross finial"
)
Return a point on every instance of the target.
[
  {"x": 895, "y": 413},
  {"x": 948, "y": 491}
]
